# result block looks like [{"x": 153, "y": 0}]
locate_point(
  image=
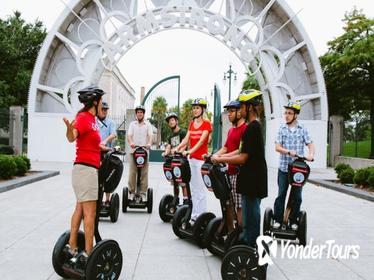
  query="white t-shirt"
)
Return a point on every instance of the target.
[{"x": 139, "y": 132}]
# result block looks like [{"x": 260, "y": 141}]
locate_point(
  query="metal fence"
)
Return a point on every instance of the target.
[
  {"x": 4, "y": 126},
  {"x": 357, "y": 138}
]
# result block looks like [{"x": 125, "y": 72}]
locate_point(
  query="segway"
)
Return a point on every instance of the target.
[
  {"x": 241, "y": 263},
  {"x": 181, "y": 221},
  {"x": 113, "y": 173},
  {"x": 140, "y": 157},
  {"x": 104, "y": 261},
  {"x": 169, "y": 203},
  {"x": 218, "y": 239},
  {"x": 298, "y": 173}
]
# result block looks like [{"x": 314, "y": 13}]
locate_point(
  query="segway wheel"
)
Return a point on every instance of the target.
[
  {"x": 267, "y": 221},
  {"x": 302, "y": 231},
  {"x": 105, "y": 261},
  {"x": 164, "y": 207},
  {"x": 125, "y": 199},
  {"x": 149, "y": 200},
  {"x": 114, "y": 207},
  {"x": 177, "y": 220},
  {"x": 59, "y": 257},
  {"x": 210, "y": 235},
  {"x": 241, "y": 262},
  {"x": 200, "y": 226}
]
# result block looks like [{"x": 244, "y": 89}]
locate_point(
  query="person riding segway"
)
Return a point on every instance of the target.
[
  {"x": 252, "y": 184},
  {"x": 223, "y": 232},
  {"x": 197, "y": 137},
  {"x": 169, "y": 203},
  {"x": 290, "y": 142},
  {"x": 74, "y": 254},
  {"x": 139, "y": 136}
]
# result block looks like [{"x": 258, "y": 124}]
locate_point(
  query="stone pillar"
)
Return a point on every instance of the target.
[
  {"x": 336, "y": 138},
  {"x": 142, "y": 94},
  {"x": 16, "y": 128},
  {"x": 130, "y": 117}
]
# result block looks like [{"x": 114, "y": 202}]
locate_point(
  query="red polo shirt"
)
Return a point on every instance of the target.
[
  {"x": 195, "y": 135},
  {"x": 233, "y": 142},
  {"x": 88, "y": 140}
]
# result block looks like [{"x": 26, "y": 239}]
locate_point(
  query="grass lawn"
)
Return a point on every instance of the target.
[{"x": 363, "y": 149}]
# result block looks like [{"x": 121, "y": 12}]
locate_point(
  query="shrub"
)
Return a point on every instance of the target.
[
  {"x": 21, "y": 166},
  {"x": 8, "y": 167},
  {"x": 340, "y": 167},
  {"x": 6, "y": 150},
  {"x": 346, "y": 176},
  {"x": 361, "y": 176},
  {"x": 371, "y": 179},
  {"x": 27, "y": 161}
]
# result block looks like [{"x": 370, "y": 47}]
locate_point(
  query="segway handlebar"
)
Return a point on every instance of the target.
[
  {"x": 115, "y": 151},
  {"x": 302, "y": 158},
  {"x": 208, "y": 158}
]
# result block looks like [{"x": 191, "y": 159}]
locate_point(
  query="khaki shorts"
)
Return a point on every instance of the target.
[{"x": 85, "y": 183}]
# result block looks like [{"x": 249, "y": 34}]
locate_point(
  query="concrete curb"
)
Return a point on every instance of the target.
[
  {"x": 347, "y": 190},
  {"x": 19, "y": 182}
]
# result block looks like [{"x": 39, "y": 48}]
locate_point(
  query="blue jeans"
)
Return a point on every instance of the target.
[
  {"x": 280, "y": 200},
  {"x": 251, "y": 219}
]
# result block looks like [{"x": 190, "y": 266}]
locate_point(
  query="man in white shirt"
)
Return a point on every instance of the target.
[{"x": 139, "y": 134}]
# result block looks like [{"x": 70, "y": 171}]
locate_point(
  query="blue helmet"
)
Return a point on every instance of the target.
[{"x": 232, "y": 104}]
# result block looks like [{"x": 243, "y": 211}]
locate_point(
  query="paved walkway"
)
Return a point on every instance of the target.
[{"x": 32, "y": 218}]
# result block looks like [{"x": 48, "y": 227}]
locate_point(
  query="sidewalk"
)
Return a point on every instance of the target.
[{"x": 34, "y": 216}]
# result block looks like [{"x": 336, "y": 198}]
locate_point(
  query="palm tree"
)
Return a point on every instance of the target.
[{"x": 159, "y": 108}]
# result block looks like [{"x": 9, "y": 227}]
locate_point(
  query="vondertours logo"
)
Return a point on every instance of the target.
[{"x": 268, "y": 250}]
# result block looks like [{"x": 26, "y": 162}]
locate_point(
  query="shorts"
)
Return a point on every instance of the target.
[
  {"x": 237, "y": 197},
  {"x": 85, "y": 183}
]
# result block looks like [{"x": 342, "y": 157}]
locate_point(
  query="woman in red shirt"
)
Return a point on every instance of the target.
[
  {"x": 198, "y": 139},
  {"x": 85, "y": 171}
]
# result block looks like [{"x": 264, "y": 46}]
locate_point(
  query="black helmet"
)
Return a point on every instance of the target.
[
  {"x": 232, "y": 104},
  {"x": 140, "y": 107},
  {"x": 171, "y": 115},
  {"x": 90, "y": 94}
]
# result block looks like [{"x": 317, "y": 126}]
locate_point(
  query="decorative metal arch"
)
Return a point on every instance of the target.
[
  {"x": 91, "y": 35},
  {"x": 149, "y": 92}
]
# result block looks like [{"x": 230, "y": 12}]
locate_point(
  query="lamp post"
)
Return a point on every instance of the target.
[{"x": 228, "y": 75}]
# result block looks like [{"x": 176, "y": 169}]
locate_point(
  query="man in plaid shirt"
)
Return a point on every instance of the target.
[{"x": 290, "y": 142}]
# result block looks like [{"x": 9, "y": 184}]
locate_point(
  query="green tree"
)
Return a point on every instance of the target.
[
  {"x": 250, "y": 83},
  {"x": 348, "y": 68},
  {"x": 20, "y": 43},
  {"x": 185, "y": 114},
  {"x": 159, "y": 108}
]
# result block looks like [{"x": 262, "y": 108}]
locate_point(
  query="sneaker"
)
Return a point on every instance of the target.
[
  {"x": 143, "y": 196},
  {"x": 192, "y": 222},
  {"x": 276, "y": 225},
  {"x": 294, "y": 226},
  {"x": 70, "y": 252},
  {"x": 80, "y": 260},
  {"x": 131, "y": 196}
]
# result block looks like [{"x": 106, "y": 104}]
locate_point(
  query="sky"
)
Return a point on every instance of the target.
[{"x": 199, "y": 65}]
